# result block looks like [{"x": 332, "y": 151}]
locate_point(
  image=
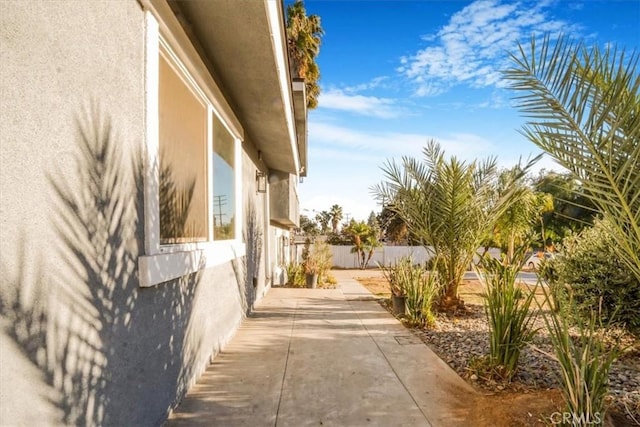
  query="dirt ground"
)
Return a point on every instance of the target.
[
  {"x": 526, "y": 408},
  {"x": 470, "y": 291}
]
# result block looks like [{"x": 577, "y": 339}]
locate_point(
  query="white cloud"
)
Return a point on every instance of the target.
[
  {"x": 473, "y": 47},
  {"x": 332, "y": 141},
  {"x": 376, "y": 82},
  {"x": 372, "y": 106}
]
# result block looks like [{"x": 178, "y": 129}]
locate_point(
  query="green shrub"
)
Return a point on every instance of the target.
[
  {"x": 507, "y": 309},
  {"x": 589, "y": 272}
]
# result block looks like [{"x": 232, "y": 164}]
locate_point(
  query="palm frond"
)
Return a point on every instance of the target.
[{"x": 583, "y": 109}]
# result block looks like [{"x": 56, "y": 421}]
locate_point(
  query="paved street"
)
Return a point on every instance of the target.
[{"x": 528, "y": 277}]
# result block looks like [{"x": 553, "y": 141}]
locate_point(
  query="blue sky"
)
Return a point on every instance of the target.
[{"x": 395, "y": 74}]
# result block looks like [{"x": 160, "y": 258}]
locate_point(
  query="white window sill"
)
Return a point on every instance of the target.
[{"x": 158, "y": 268}]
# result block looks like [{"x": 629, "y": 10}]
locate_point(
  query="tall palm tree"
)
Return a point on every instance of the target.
[
  {"x": 304, "y": 35},
  {"x": 447, "y": 204},
  {"x": 336, "y": 216},
  {"x": 583, "y": 105}
]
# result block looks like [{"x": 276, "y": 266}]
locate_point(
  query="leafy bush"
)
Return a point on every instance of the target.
[
  {"x": 507, "y": 309},
  {"x": 589, "y": 272}
]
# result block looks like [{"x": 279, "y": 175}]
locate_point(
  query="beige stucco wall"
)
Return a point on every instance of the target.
[{"x": 84, "y": 344}]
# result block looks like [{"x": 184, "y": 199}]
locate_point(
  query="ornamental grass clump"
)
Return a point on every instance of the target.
[
  {"x": 584, "y": 365},
  {"x": 507, "y": 307}
]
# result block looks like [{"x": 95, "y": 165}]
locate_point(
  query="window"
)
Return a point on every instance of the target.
[
  {"x": 193, "y": 162},
  {"x": 182, "y": 118},
  {"x": 223, "y": 182}
]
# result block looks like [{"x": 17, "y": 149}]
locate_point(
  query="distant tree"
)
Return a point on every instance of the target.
[
  {"x": 572, "y": 210},
  {"x": 335, "y": 212},
  {"x": 308, "y": 226},
  {"x": 365, "y": 241},
  {"x": 372, "y": 222},
  {"x": 393, "y": 228},
  {"x": 323, "y": 218},
  {"x": 304, "y": 35}
]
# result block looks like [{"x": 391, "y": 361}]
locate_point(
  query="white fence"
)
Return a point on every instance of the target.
[{"x": 343, "y": 258}]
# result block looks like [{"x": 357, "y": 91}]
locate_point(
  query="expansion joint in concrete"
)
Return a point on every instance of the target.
[
  {"x": 286, "y": 361},
  {"x": 388, "y": 361}
]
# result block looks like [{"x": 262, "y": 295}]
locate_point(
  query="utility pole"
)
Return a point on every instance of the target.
[{"x": 218, "y": 202}]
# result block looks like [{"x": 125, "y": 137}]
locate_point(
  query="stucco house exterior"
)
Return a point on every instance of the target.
[{"x": 150, "y": 156}]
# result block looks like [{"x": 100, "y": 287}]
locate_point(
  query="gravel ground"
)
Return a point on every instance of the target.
[{"x": 463, "y": 340}]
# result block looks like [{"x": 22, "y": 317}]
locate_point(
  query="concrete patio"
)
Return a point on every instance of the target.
[{"x": 325, "y": 357}]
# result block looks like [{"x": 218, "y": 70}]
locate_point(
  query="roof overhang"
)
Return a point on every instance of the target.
[{"x": 244, "y": 42}]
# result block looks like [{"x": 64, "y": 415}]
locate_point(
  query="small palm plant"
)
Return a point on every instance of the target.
[
  {"x": 507, "y": 307},
  {"x": 449, "y": 205}
]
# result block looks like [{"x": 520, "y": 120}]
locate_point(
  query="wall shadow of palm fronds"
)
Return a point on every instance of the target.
[
  {"x": 247, "y": 269},
  {"x": 66, "y": 326},
  {"x": 114, "y": 353},
  {"x": 175, "y": 205},
  {"x": 99, "y": 226}
]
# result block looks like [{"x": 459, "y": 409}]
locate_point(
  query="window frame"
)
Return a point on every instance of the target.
[{"x": 163, "y": 262}]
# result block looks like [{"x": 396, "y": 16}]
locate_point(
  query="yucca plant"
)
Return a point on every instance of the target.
[
  {"x": 394, "y": 273},
  {"x": 421, "y": 290},
  {"x": 430, "y": 284},
  {"x": 509, "y": 315},
  {"x": 411, "y": 276},
  {"x": 584, "y": 365}
]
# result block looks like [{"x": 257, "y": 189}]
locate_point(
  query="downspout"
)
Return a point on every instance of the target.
[{"x": 267, "y": 241}]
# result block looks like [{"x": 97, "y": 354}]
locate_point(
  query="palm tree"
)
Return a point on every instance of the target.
[
  {"x": 516, "y": 223},
  {"x": 583, "y": 105},
  {"x": 365, "y": 241},
  {"x": 447, "y": 204},
  {"x": 336, "y": 216},
  {"x": 303, "y": 41}
]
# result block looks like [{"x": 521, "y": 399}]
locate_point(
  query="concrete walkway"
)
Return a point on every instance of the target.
[{"x": 310, "y": 357}]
